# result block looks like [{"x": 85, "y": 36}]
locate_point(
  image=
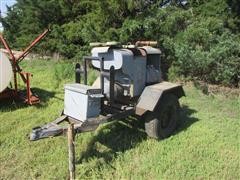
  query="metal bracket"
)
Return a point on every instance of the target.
[{"x": 48, "y": 130}]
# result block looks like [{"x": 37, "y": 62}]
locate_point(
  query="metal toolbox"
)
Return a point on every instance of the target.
[{"x": 81, "y": 101}]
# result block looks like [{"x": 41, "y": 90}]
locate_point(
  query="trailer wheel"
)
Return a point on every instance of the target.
[{"x": 162, "y": 122}]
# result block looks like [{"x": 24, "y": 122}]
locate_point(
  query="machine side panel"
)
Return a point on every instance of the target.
[
  {"x": 111, "y": 57},
  {"x": 135, "y": 68}
]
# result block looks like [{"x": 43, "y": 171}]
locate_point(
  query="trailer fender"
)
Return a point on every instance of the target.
[{"x": 152, "y": 94}]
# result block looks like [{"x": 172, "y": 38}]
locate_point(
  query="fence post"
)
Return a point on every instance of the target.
[{"x": 71, "y": 151}]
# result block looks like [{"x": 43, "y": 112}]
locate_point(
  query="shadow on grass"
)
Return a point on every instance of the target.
[
  {"x": 186, "y": 120},
  {"x": 120, "y": 136},
  {"x": 11, "y": 105},
  {"x": 117, "y": 136}
]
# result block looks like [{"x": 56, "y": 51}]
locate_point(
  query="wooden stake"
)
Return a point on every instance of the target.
[{"x": 71, "y": 151}]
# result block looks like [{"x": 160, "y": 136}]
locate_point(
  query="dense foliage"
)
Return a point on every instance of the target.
[{"x": 200, "y": 39}]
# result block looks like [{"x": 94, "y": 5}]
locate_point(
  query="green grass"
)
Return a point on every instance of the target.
[{"x": 205, "y": 146}]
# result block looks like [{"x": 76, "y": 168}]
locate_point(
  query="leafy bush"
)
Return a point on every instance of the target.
[{"x": 216, "y": 60}]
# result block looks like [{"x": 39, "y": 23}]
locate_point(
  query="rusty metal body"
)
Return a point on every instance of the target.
[{"x": 15, "y": 93}]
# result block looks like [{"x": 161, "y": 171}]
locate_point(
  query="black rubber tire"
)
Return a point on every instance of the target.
[{"x": 163, "y": 121}]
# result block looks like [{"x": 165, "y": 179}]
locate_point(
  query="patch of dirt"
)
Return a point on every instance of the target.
[{"x": 210, "y": 89}]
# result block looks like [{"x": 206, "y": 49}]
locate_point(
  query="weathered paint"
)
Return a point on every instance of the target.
[{"x": 153, "y": 93}]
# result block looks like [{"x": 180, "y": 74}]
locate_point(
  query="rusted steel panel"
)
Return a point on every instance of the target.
[{"x": 146, "y": 43}]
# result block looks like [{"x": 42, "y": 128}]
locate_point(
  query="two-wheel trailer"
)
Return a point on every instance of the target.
[{"x": 129, "y": 84}]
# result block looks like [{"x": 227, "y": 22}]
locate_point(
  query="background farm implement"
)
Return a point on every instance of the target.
[{"x": 10, "y": 66}]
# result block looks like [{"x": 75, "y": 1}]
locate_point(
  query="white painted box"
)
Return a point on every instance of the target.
[{"x": 81, "y": 101}]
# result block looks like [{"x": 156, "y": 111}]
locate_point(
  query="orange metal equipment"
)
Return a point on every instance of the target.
[{"x": 8, "y": 93}]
